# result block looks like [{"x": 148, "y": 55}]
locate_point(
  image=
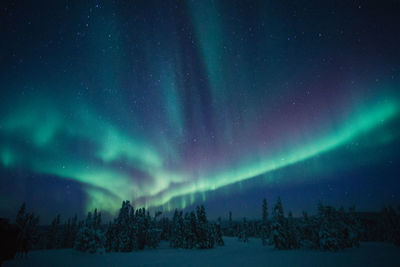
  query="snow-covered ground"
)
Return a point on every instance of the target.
[{"x": 234, "y": 253}]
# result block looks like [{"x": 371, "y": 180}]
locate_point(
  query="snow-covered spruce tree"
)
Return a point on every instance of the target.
[
  {"x": 132, "y": 229},
  {"x": 181, "y": 229},
  {"x": 202, "y": 228},
  {"x": 177, "y": 236},
  {"x": 112, "y": 240},
  {"x": 279, "y": 226},
  {"x": 391, "y": 225},
  {"x": 210, "y": 235},
  {"x": 109, "y": 237},
  {"x": 27, "y": 227},
  {"x": 334, "y": 231},
  {"x": 230, "y": 231},
  {"x": 73, "y": 232},
  {"x": 90, "y": 238},
  {"x": 243, "y": 234},
  {"x": 293, "y": 237},
  {"x": 354, "y": 228},
  {"x": 165, "y": 229},
  {"x": 193, "y": 230},
  {"x": 153, "y": 235},
  {"x": 141, "y": 228},
  {"x": 343, "y": 229},
  {"x": 337, "y": 229},
  {"x": 188, "y": 237},
  {"x": 133, "y": 222},
  {"x": 53, "y": 236},
  {"x": 396, "y": 229},
  {"x": 218, "y": 233},
  {"x": 66, "y": 233},
  {"x": 308, "y": 232},
  {"x": 123, "y": 240},
  {"x": 396, "y": 233},
  {"x": 264, "y": 229},
  {"x": 328, "y": 225},
  {"x": 69, "y": 232},
  {"x": 173, "y": 242},
  {"x": 388, "y": 219}
]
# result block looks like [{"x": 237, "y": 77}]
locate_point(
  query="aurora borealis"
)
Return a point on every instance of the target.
[{"x": 173, "y": 103}]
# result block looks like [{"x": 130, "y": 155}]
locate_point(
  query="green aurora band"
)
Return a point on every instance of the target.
[
  {"x": 356, "y": 126},
  {"x": 107, "y": 185}
]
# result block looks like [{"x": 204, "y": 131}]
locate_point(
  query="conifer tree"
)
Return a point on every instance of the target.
[
  {"x": 53, "y": 235},
  {"x": 244, "y": 231},
  {"x": 264, "y": 223},
  {"x": 307, "y": 232},
  {"x": 90, "y": 238},
  {"x": 153, "y": 232},
  {"x": 218, "y": 233},
  {"x": 177, "y": 230},
  {"x": 109, "y": 238},
  {"x": 293, "y": 238},
  {"x": 66, "y": 233},
  {"x": 279, "y": 226},
  {"x": 193, "y": 229},
  {"x": 174, "y": 231},
  {"x": 141, "y": 228},
  {"x": 132, "y": 229},
  {"x": 329, "y": 234},
  {"x": 189, "y": 235},
  {"x": 396, "y": 229},
  {"x": 21, "y": 216},
  {"x": 211, "y": 233},
  {"x": 230, "y": 225},
  {"x": 73, "y": 232},
  {"x": 202, "y": 227},
  {"x": 165, "y": 228},
  {"x": 122, "y": 241},
  {"x": 27, "y": 226}
]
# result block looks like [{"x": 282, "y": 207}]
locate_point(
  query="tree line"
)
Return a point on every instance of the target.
[
  {"x": 135, "y": 229},
  {"x": 330, "y": 229}
]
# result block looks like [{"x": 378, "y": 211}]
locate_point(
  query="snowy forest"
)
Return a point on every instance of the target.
[{"x": 330, "y": 229}]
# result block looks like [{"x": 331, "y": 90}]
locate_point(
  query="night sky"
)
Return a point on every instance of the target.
[{"x": 171, "y": 104}]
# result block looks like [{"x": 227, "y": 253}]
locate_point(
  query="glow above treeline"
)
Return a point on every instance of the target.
[
  {"x": 107, "y": 184},
  {"x": 357, "y": 125}
]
